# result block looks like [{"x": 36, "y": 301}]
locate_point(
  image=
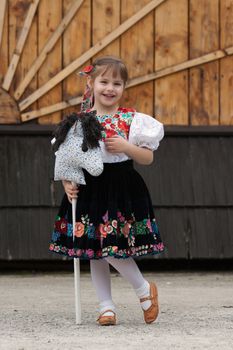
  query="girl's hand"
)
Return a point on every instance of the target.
[
  {"x": 116, "y": 144},
  {"x": 70, "y": 190}
]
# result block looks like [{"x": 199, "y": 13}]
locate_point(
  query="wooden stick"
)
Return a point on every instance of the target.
[
  {"x": 140, "y": 80},
  {"x": 47, "y": 48},
  {"x": 89, "y": 53},
  {"x": 20, "y": 45},
  {"x": 77, "y": 287},
  {"x": 2, "y": 15}
]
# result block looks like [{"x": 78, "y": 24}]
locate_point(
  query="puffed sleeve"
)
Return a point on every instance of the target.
[{"x": 146, "y": 131}]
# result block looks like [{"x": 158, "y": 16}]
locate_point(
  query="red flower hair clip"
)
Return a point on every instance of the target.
[{"x": 87, "y": 70}]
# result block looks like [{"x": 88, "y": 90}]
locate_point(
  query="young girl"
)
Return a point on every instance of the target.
[{"x": 115, "y": 219}]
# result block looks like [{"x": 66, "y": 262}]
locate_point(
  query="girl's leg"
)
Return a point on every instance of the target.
[
  {"x": 130, "y": 271},
  {"x": 100, "y": 275}
]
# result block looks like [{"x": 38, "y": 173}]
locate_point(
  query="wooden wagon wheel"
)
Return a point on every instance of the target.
[{"x": 13, "y": 106}]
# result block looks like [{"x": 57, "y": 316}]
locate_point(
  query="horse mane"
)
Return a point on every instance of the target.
[{"x": 90, "y": 126}]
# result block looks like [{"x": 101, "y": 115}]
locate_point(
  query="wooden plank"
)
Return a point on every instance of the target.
[
  {"x": 109, "y": 10},
  {"x": 229, "y": 50},
  {"x": 172, "y": 223},
  {"x": 52, "y": 108},
  {"x": 195, "y": 232},
  {"x": 199, "y": 185},
  {"x": 88, "y": 54},
  {"x": 27, "y": 171},
  {"x": 9, "y": 113},
  {"x": 206, "y": 241},
  {"x": 180, "y": 67},
  {"x": 17, "y": 13},
  {"x": 47, "y": 48},
  {"x": 50, "y": 15},
  {"x": 4, "y": 43},
  {"x": 20, "y": 45},
  {"x": 2, "y": 18},
  {"x": 138, "y": 55},
  {"x": 74, "y": 85},
  {"x": 171, "y": 47},
  {"x": 132, "y": 82},
  {"x": 30, "y": 239},
  {"x": 226, "y": 65},
  {"x": 204, "y": 80}
]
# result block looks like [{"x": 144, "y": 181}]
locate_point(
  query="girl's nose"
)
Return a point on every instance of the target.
[{"x": 110, "y": 87}]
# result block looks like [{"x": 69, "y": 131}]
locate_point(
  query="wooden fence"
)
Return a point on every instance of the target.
[
  {"x": 179, "y": 54},
  {"x": 190, "y": 183}
]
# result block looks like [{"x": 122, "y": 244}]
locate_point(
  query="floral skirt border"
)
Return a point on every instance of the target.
[
  {"x": 108, "y": 251},
  {"x": 119, "y": 237}
]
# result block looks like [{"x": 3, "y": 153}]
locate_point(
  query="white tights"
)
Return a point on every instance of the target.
[{"x": 100, "y": 274}]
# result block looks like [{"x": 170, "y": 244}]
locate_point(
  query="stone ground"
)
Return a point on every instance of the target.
[{"x": 37, "y": 312}]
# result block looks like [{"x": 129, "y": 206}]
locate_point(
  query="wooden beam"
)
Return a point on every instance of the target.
[
  {"x": 50, "y": 109},
  {"x": 229, "y": 50},
  {"x": 88, "y": 54},
  {"x": 178, "y": 67},
  {"x": 133, "y": 82},
  {"x": 47, "y": 48},
  {"x": 20, "y": 45},
  {"x": 2, "y": 15}
]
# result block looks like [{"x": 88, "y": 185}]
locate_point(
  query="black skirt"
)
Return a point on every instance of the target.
[{"x": 114, "y": 217}]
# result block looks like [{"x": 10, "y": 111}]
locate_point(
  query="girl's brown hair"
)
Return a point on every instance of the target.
[{"x": 105, "y": 63}]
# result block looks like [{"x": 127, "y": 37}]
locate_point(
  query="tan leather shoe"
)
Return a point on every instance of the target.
[
  {"x": 107, "y": 320},
  {"x": 151, "y": 314}
]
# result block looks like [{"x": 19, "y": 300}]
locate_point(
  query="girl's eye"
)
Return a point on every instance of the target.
[
  {"x": 117, "y": 84},
  {"x": 103, "y": 82}
]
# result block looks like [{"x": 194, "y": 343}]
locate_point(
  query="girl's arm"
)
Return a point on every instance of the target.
[
  {"x": 118, "y": 144},
  {"x": 140, "y": 155}
]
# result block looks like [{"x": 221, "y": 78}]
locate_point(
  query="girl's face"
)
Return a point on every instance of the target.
[{"x": 107, "y": 89}]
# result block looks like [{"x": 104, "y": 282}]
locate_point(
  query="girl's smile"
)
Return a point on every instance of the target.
[{"x": 108, "y": 90}]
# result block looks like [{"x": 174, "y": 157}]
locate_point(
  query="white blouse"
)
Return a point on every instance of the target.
[{"x": 145, "y": 131}]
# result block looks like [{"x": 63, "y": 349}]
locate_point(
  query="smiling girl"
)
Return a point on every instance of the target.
[{"x": 115, "y": 218}]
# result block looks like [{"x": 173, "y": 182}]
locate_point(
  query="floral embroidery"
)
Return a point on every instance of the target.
[
  {"x": 131, "y": 240},
  {"x": 71, "y": 252},
  {"x": 79, "y": 229},
  {"x": 85, "y": 219},
  {"x": 55, "y": 236},
  {"x": 117, "y": 124},
  {"x": 91, "y": 231},
  {"x": 125, "y": 229},
  {"x": 61, "y": 225},
  {"x": 114, "y": 223},
  {"x": 90, "y": 253},
  {"x": 148, "y": 223},
  {"x": 105, "y": 229},
  {"x": 128, "y": 229},
  {"x": 126, "y": 110},
  {"x": 111, "y": 250},
  {"x": 141, "y": 226},
  {"x": 120, "y": 216},
  {"x": 69, "y": 230},
  {"x": 105, "y": 217},
  {"x": 154, "y": 227}
]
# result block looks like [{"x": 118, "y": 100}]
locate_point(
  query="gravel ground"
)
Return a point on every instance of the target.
[{"x": 37, "y": 312}]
